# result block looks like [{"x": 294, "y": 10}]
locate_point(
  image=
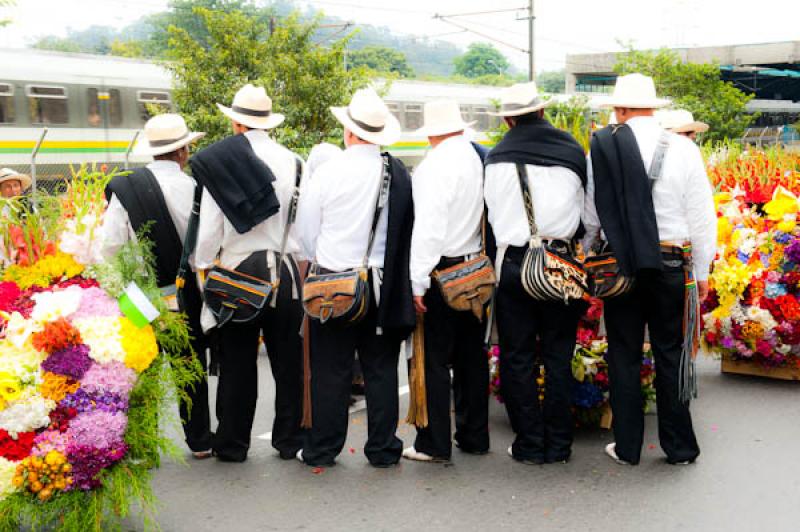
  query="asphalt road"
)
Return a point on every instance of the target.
[{"x": 747, "y": 479}]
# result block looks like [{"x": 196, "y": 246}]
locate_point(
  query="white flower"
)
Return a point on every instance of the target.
[
  {"x": 53, "y": 305},
  {"x": 85, "y": 244},
  {"x": 7, "y": 471},
  {"x": 102, "y": 335},
  {"x": 18, "y": 329},
  {"x": 27, "y": 414}
]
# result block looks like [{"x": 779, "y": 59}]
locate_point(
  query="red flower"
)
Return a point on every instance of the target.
[
  {"x": 16, "y": 449},
  {"x": 9, "y": 293},
  {"x": 57, "y": 335}
]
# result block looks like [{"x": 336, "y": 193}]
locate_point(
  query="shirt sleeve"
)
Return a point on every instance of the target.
[
  {"x": 489, "y": 192},
  {"x": 116, "y": 227},
  {"x": 701, "y": 215},
  {"x": 591, "y": 221},
  {"x": 309, "y": 216},
  {"x": 209, "y": 233},
  {"x": 430, "y": 225}
]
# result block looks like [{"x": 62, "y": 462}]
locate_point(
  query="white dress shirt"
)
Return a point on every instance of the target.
[
  {"x": 218, "y": 237},
  {"x": 337, "y": 207},
  {"x": 178, "y": 191},
  {"x": 448, "y": 205},
  {"x": 557, "y": 197},
  {"x": 682, "y": 196}
]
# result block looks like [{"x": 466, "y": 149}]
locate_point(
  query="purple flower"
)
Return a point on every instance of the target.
[
  {"x": 792, "y": 251},
  {"x": 95, "y": 302},
  {"x": 84, "y": 401},
  {"x": 781, "y": 237},
  {"x": 727, "y": 342},
  {"x": 88, "y": 462},
  {"x": 98, "y": 428},
  {"x": 114, "y": 377},
  {"x": 72, "y": 362}
]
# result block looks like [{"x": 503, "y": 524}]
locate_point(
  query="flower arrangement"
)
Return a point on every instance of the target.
[
  {"x": 753, "y": 312},
  {"x": 590, "y": 388},
  {"x": 81, "y": 387}
]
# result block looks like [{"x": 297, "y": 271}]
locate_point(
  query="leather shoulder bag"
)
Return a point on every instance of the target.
[
  {"x": 605, "y": 278},
  {"x": 549, "y": 272},
  {"x": 237, "y": 297},
  {"x": 343, "y": 297}
]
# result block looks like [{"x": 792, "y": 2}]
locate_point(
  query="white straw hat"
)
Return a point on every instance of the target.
[
  {"x": 680, "y": 121},
  {"x": 442, "y": 117},
  {"x": 252, "y": 108},
  {"x": 369, "y": 118},
  {"x": 521, "y": 99},
  {"x": 635, "y": 91},
  {"x": 7, "y": 174},
  {"x": 164, "y": 134}
]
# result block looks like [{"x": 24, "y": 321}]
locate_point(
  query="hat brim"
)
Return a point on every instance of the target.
[
  {"x": 270, "y": 121},
  {"x": 697, "y": 127},
  {"x": 387, "y": 136},
  {"x": 646, "y": 103},
  {"x": 435, "y": 130},
  {"x": 143, "y": 146},
  {"x": 523, "y": 110},
  {"x": 24, "y": 179}
]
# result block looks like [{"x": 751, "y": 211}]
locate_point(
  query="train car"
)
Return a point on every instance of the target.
[{"x": 93, "y": 106}]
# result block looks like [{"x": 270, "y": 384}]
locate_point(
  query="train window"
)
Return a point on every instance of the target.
[
  {"x": 106, "y": 104},
  {"x": 464, "y": 112},
  {"x": 394, "y": 109},
  {"x": 482, "y": 118},
  {"x": 48, "y": 104},
  {"x": 7, "y": 115},
  {"x": 152, "y": 103},
  {"x": 413, "y": 116}
]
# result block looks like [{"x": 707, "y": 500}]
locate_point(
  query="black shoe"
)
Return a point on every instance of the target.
[
  {"x": 471, "y": 451},
  {"x": 230, "y": 458},
  {"x": 287, "y": 455},
  {"x": 526, "y": 461},
  {"x": 381, "y": 465}
]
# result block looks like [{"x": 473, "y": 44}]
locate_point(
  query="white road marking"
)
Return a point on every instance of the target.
[{"x": 357, "y": 407}]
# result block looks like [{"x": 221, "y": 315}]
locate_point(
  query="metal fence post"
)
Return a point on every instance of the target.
[
  {"x": 34, "y": 153},
  {"x": 130, "y": 148}
]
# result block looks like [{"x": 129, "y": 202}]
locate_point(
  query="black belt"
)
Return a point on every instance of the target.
[
  {"x": 447, "y": 262},
  {"x": 519, "y": 251}
]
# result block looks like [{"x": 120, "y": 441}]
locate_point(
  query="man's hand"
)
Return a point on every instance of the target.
[
  {"x": 419, "y": 305},
  {"x": 702, "y": 290}
]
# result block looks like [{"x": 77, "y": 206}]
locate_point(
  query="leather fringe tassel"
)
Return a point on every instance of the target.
[
  {"x": 687, "y": 372},
  {"x": 418, "y": 398},
  {"x": 306, "y": 421}
]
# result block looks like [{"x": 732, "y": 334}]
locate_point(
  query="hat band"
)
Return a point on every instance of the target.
[
  {"x": 166, "y": 142},
  {"x": 517, "y": 106},
  {"x": 250, "y": 112},
  {"x": 364, "y": 125}
]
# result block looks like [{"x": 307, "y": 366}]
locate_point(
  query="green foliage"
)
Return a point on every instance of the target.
[
  {"x": 695, "y": 87},
  {"x": 552, "y": 81},
  {"x": 127, "y": 48},
  {"x": 5, "y": 3},
  {"x": 380, "y": 59},
  {"x": 126, "y": 484},
  {"x": 481, "y": 59},
  {"x": 94, "y": 39},
  {"x": 302, "y": 78}
]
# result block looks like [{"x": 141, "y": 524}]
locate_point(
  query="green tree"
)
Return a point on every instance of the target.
[
  {"x": 552, "y": 81},
  {"x": 5, "y": 3},
  {"x": 303, "y": 78},
  {"x": 694, "y": 87},
  {"x": 127, "y": 48},
  {"x": 381, "y": 59},
  {"x": 481, "y": 59}
]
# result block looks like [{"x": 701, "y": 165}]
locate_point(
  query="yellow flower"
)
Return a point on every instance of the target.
[
  {"x": 783, "y": 202},
  {"x": 43, "y": 272},
  {"x": 724, "y": 230},
  {"x": 56, "y": 387},
  {"x": 787, "y": 225},
  {"x": 139, "y": 345},
  {"x": 720, "y": 198},
  {"x": 10, "y": 388}
]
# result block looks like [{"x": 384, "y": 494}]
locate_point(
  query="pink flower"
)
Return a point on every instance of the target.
[
  {"x": 114, "y": 377},
  {"x": 96, "y": 303},
  {"x": 98, "y": 429}
]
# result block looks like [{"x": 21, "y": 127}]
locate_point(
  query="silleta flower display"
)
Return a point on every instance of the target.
[{"x": 752, "y": 312}]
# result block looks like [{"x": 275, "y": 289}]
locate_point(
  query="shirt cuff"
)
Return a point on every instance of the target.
[{"x": 419, "y": 288}]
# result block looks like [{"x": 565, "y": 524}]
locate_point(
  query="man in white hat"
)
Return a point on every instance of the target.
[
  {"x": 682, "y": 122},
  {"x": 161, "y": 194},
  {"x": 649, "y": 193},
  {"x": 250, "y": 180},
  {"x": 448, "y": 207},
  {"x": 553, "y": 165},
  {"x": 12, "y": 183},
  {"x": 336, "y": 217}
]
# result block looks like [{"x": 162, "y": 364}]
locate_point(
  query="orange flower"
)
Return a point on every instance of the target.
[{"x": 56, "y": 387}]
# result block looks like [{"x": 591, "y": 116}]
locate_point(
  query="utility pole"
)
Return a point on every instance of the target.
[{"x": 531, "y": 57}]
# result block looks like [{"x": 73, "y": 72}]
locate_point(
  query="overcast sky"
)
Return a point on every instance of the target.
[{"x": 562, "y": 26}]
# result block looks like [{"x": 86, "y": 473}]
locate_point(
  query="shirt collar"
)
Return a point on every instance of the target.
[
  {"x": 451, "y": 141},
  {"x": 164, "y": 166},
  {"x": 643, "y": 121},
  {"x": 364, "y": 149}
]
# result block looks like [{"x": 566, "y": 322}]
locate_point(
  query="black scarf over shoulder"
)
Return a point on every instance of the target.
[
  {"x": 238, "y": 180},
  {"x": 396, "y": 310},
  {"x": 624, "y": 200},
  {"x": 536, "y": 141}
]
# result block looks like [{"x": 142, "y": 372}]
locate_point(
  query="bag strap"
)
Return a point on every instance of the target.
[
  {"x": 657, "y": 164},
  {"x": 522, "y": 173},
  {"x": 292, "y": 216},
  {"x": 380, "y": 203},
  {"x": 190, "y": 241}
]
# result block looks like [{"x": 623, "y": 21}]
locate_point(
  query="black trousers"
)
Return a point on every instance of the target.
[
  {"x": 543, "y": 429},
  {"x": 195, "y": 416},
  {"x": 454, "y": 339},
  {"x": 656, "y": 301},
  {"x": 333, "y": 347},
  {"x": 237, "y": 390}
]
